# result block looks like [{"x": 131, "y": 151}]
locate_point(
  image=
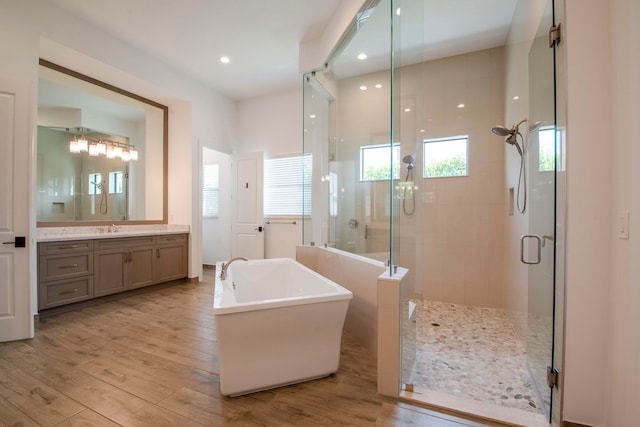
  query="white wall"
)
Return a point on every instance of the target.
[
  {"x": 272, "y": 124},
  {"x": 623, "y": 344},
  {"x": 589, "y": 220},
  {"x": 38, "y": 29}
]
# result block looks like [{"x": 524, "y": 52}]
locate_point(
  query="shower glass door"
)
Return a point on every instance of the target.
[{"x": 539, "y": 245}]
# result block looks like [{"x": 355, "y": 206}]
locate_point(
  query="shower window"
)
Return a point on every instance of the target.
[
  {"x": 374, "y": 162},
  {"x": 116, "y": 182},
  {"x": 284, "y": 192},
  {"x": 546, "y": 149},
  {"x": 95, "y": 179},
  {"x": 445, "y": 157}
]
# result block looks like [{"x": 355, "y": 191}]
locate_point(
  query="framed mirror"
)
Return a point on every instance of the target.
[{"x": 101, "y": 152}]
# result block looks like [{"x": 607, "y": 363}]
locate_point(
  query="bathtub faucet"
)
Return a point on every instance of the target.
[{"x": 225, "y": 265}]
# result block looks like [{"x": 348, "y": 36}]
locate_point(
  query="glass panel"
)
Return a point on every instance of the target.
[
  {"x": 541, "y": 158},
  {"x": 465, "y": 318},
  {"x": 352, "y": 212},
  {"x": 316, "y": 152}
]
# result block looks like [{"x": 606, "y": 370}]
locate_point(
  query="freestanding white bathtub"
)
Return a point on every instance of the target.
[{"x": 277, "y": 323}]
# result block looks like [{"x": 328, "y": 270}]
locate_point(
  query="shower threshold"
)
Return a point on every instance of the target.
[{"x": 500, "y": 415}]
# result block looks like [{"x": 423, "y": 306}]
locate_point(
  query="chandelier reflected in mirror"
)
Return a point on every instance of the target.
[{"x": 82, "y": 143}]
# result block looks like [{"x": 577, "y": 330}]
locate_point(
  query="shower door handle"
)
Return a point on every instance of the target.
[{"x": 539, "y": 245}]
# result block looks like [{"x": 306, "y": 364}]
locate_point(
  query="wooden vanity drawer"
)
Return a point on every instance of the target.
[
  {"x": 50, "y": 248},
  {"x": 126, "y": 242},
  {"x": 54, "y": 267},
  {"x": 63, "y": 292},
  {"x": 171, "y": 239}
]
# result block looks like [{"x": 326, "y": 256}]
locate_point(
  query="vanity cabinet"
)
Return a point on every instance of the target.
[
  {"x": 171, "y": 257},
  {"x": 73, "y": 271},
  {"x": 123, "y": 264},
  {"x": 65, "y": 272}
]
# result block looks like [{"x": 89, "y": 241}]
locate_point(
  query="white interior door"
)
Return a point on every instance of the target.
[
  {"x": 16, "y": 321},
  {"x": 248, "y": 218}
]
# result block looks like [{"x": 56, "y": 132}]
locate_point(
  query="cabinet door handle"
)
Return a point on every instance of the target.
[
  {"x": 71, "y": 291},
  {"x": 157, "y": 252},
  {"x": 68, "y": 247},
  {"x": 68, "y": 266}
]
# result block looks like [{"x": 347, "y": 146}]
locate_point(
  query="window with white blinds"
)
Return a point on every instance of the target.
[
  {"x": 210, "y": 185},
  {"x": 287, "y": 186}
]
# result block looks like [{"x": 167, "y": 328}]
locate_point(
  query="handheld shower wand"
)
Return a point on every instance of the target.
[
  {"x": 512, "y": 138},
  {"x": 104, "y": 207},
  {"x": 409, "y": 159}
]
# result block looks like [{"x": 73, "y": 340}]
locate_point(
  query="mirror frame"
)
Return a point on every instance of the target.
[{"x": 165, "y": 148}]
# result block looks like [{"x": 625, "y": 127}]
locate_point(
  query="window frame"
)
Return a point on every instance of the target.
[
  {"x": 395, "y": 170},
  {"x": 93, "y": 189},
  {"x": 541, "y": 131},
  {"x": 116, "y": 177},
  {"x": 445, "y": 139}
]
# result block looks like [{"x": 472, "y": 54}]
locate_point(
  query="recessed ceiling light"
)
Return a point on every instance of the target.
[
  {"x": 363, "y": 87},
  {"x": 362, "y": 56},
  {"x": 460, "y": 105},
  {"x": 406, "y": 110},
  {"x": 378, "y": 86},
  {"x": 515, "y": 98},
  {"x": 312, "y": 116},
  {"x": 225, "y": 59},
  {"x": 398, "y": 11}
]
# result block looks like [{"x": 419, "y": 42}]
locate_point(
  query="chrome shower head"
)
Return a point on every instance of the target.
[
  {"x": 511, "y": 134},
  {"x": 537, "y": 125},
  {"x": 409, "y": 159},
  {"x": 501, "y": 131}
]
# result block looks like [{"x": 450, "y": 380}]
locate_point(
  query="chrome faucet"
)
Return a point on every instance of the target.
[{"x": 223, "y": 271}]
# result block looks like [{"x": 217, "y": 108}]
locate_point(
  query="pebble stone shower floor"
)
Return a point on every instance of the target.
[{"x": 470, "y": 352}]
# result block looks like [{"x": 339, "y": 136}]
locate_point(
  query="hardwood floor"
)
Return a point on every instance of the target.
[{"x": 150, "y": 360}]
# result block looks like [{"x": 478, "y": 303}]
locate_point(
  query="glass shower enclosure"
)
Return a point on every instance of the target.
[{"x": 406, "y": 171}]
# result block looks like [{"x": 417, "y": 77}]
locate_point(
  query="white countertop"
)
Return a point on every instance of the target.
[{"x": 56, "y": 234}]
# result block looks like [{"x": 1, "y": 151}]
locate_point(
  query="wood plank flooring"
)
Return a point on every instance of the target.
[{"x": 150, "y": 360}]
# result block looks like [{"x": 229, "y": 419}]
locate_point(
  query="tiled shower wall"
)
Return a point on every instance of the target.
[
  {"x": 459, "y": 257},
  {"x": 453, "y": 243}
]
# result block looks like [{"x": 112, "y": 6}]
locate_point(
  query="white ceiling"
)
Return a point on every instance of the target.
[{"x": 262, "y": 37}]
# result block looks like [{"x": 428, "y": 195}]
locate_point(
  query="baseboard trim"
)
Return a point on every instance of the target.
[{"x": 570, "y": 424}]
